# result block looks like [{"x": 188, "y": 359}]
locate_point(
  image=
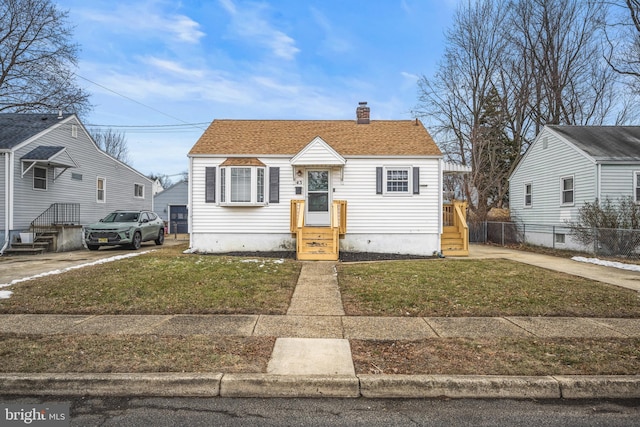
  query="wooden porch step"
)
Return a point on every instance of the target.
[
  {"x": 316, "y": 244},
  {"x": 455, "y": 252}
]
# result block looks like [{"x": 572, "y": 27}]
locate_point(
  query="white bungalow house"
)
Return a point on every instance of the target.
[
  {"x": 317, "y": 187},
  {"x": 54, "y": 179},
  {"x": 565, "y": 167}
]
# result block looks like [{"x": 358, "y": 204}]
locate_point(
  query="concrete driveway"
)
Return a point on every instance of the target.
[{"x": 21, "y": 266}]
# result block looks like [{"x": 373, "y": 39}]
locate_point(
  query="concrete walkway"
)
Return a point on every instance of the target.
[{"x": 312, "y": 356}]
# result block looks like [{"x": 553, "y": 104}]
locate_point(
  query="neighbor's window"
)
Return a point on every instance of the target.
[
  {"x": 397, "y": 181},
  {"x": 567, "y": 190},
  {"x": 637, "y": 186},
  {"x": 242, "y": 185},
  {"x": 76, "y": 176},
  {"x": 100, "y": 190},
  {"x": 528, "y": 189},
  {"x": 138, "y": 190},
  {"x": 40, "y": 178}
]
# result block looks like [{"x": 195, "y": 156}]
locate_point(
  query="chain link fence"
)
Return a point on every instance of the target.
[{"x": 608, "y": 242}]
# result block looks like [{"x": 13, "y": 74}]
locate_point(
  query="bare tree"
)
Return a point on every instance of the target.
[
  {"x": 509, "y": 69},
  {"x": 36, "y": 59},
  {"x": 453, "y": 99},
  {"x": 560, "y": 40},
  {"x": 164, "y": 179},
  {"x": 113, "y": 143},
  {"x": 623, "y": 39}
]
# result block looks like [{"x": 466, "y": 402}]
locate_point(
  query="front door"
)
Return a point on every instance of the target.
[{"x": 318, "y": 201}]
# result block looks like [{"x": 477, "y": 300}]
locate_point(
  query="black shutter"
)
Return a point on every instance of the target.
[
  {"x": 210, "y": 185},
  {"x": 416, "y": 180},
  {"x": 378, "y": 180},
  {"x": 274, "y": 185}
]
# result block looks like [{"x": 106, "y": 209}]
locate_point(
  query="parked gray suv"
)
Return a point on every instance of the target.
[{"x": 129, "y": 228}]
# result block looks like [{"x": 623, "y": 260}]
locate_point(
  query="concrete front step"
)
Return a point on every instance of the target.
[{"x": 36, "y": 248}]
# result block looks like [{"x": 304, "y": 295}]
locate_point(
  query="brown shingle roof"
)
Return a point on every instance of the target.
[{"x": 288, "y": 137}]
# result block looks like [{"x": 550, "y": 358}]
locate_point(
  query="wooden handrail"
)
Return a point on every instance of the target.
[{"x": 461, "y": 222}]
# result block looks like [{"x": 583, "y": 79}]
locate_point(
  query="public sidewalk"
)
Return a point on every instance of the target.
[{"x": 312, "y": 356}]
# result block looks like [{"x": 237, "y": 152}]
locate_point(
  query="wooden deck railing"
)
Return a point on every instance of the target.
[{"x": 338, "y": 215}]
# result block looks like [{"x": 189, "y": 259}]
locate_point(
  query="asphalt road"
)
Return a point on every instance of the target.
[{"x": 132, "y": 412}]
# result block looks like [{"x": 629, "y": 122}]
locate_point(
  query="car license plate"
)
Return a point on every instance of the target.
[{"x": 103, "y": 240}]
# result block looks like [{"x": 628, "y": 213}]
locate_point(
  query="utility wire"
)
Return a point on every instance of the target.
[{"x": 133, "y": 100}]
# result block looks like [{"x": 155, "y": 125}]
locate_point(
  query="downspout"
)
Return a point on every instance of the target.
[
  {"x": 598, "y": 178},
  {"x": 7, "y": 198},
  {"x": 440, "y": 201}
]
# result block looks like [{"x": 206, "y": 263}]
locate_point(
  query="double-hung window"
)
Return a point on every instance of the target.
[
  {"x": 40, "y": 178},
  {"x": 397, "y": 180},
  {"x": 528, "y": 194},
  {"x": 101, "y": 190},
  {"x": 567, "y": 185},
  {"x": 138, "y": 191},
  {"x": 636, "y": 186}
]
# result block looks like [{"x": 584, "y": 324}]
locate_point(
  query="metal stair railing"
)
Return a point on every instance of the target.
[{"x": 56, "y": 214}]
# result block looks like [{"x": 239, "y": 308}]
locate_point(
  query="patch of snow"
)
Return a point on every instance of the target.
[
  {"x": 7, "y": 294},
  {"x": 623, "y": 266}
]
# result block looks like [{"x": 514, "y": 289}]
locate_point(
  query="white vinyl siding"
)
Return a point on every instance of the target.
[
  {"x": 91, "y": 163},
  {"x": 367, "y": 212},
  {"x": 544, "y": 170},
  {"x": 620, "y": 181}
]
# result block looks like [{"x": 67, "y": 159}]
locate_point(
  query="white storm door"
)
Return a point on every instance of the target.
[{"x": 318, "y": 202}]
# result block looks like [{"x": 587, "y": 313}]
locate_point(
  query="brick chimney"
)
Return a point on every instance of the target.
[{"x": 362, "y": 114}]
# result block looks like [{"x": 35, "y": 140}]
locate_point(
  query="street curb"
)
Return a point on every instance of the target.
[
  {"x": 266, "y": 385},
  {"x": 463, "y": 386},
  {"x": 367, "y": 386},
  {"x": 83, "y": 384}
]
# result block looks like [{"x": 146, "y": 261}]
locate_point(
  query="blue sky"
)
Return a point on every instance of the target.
[{"x": 161, "y": 63}]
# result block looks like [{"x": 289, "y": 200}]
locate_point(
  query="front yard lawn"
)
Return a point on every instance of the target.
[
  {"x": 477, "y": 288},
  {"x": 165, "y": 281}
]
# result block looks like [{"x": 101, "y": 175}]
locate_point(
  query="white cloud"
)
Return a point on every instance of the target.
[
  {"x": 250, "y": 24},
  {"x": 333, "y": 41},
  {"x": 172, "y": 67},
  {"x": 144, "y": 20}
]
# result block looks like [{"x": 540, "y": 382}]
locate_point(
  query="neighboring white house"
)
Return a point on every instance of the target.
[
  {"x": 565, "y": 167},
  {"x": 172, "y": 206},
  {"x": 260, "y": 185},
  {"x": 51, "y": 169}
]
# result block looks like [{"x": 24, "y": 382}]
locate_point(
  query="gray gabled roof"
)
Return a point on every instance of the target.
[
  {"x": 42, "y": 152},
  {"x": 16, "y": 128},
  {"x": 604, "y": 143}
]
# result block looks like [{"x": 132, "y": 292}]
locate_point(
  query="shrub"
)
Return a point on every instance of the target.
[{"x": 611, "y": 227}]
